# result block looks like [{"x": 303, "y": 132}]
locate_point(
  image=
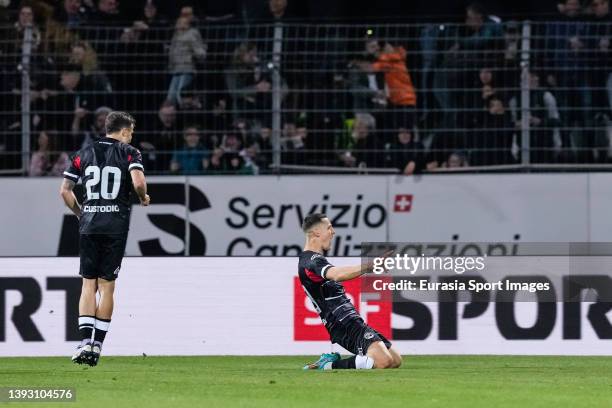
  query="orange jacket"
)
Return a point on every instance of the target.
[{"x": 399, "y": 84}]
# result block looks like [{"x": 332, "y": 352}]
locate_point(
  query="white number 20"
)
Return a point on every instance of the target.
[{"x": 94, "y": 171}]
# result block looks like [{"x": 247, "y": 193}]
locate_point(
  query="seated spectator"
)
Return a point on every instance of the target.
[
  {"x": 364, "y": 147},
  {"x": 46, "y": 160},
  {"x": 186, "y": 47},
  {"x": 492, "y": 141},
  {"x": 406, "y": 153},
  {"x": 193, "y": 157}
]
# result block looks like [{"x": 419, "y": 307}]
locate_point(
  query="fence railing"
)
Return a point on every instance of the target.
[{"x": 277, "y": 98}]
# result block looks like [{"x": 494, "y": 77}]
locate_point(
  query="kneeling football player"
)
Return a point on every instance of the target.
[{"x": 321, "y": 282}]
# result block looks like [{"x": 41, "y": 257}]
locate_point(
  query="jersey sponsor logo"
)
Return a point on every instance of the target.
[
  {"x": 368, "y": 335},
  {"x": 100, "y": 208}
]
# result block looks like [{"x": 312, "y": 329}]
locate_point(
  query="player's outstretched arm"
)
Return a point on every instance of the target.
[
  {"x": 67, "y": 194},
  {"x": 343, "y": 273},
  {"x": 140, "y": 186}
]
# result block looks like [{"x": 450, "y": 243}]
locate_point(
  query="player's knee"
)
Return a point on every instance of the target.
[
  {"x": 89, "y": 286},
  {"x": 384, "y": 361},
  {"x": 397, "y": 362}
]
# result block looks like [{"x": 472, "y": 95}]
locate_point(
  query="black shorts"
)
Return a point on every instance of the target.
[
  {"x": 101, "y": 255},
  {"x": 356, "y": 336}
]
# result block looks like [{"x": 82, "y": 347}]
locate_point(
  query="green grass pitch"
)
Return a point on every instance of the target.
[{"x": 423, "y": 381}]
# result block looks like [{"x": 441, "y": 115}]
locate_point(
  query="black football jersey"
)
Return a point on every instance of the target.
[
  {"x": 328, "y": 297},
  {"x": 104, "y": 167}
]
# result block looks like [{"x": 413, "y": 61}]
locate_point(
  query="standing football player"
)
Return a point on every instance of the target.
[
  {"x": 321, "y": 282},
  {"x": 108, "y": 168}
]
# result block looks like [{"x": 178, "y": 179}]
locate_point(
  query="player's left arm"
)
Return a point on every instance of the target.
[{"x": 67, "y": 194}]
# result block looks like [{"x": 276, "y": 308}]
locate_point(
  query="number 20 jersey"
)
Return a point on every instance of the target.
[{"x": 104, "y": 167}]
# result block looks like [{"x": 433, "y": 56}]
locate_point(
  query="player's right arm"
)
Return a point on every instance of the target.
[
  {"x": 343, "y": 273},
  {"x": 71, "y": 177},
  {"x": 321, "y": 267},
  {"x": 138, "y": 178},
  {"x": 67, "y": 194}
]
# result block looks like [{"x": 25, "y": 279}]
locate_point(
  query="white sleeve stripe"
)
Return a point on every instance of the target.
[
  {"x": 71, "y": 175},
  {"x": 137, "y": 165},
  {"x": 324, "y": 269}
]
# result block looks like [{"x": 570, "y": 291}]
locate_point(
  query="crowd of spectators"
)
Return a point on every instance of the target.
[{"x": 411, "y": 98}]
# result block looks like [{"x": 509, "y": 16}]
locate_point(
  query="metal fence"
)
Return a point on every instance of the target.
[{"x": 286, "y": 98}]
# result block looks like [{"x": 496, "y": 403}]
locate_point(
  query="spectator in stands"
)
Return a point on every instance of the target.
[
  {"x": 492, "y": 140},
  {"x": 600, "y": 58},
  {"x": 399, "y": 95},
  {"x": 470, "y": 48},
  {"x": 250, "y": 85},
  {"x": 186, "y": 47},
  {"x": 193, "y": 157},
  {"x": 228, "y": 158},
  {"x": 97, "y": 128},
  {"x": 187, "y": 12},
  {"x": 566, "y": 41},
  {"x": 160, "y": 139},
  {"x": 107, "y": 13},
  {"x": 292, "y": 143},
  {"x": 84, "y": 56},
  {"x": 72, "y": 14},
  {"x": 46, "y": 160},
  {"x": 64, "y": 108},
  {"x": 544, "y": 122},
  {"x": 510, "y": 74},
  {"x": 12, "y": 38},
  {"x": 405, "y": 153},
  {"x": 455, "y": 160},
  {"x": 277, "y": 9},
  {"x": 364, "y": 150},
  {"x": 600, "y": 37},
  {"x": 367, "y": 86}
]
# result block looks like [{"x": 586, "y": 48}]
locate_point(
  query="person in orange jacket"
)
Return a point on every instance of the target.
[{"x": 399, "y": 90}]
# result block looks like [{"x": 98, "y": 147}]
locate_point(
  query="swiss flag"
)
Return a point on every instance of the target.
[{"x": 403, "y": 203}]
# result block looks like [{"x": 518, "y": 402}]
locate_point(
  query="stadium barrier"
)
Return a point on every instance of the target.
[
  {"x": 237, "y": 216},
  {"x": 256, "y": 306}
]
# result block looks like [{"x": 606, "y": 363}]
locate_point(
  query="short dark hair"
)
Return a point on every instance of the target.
[
  {"x": 311, "y": 220},
  {"x": 115, "y": 121}
]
